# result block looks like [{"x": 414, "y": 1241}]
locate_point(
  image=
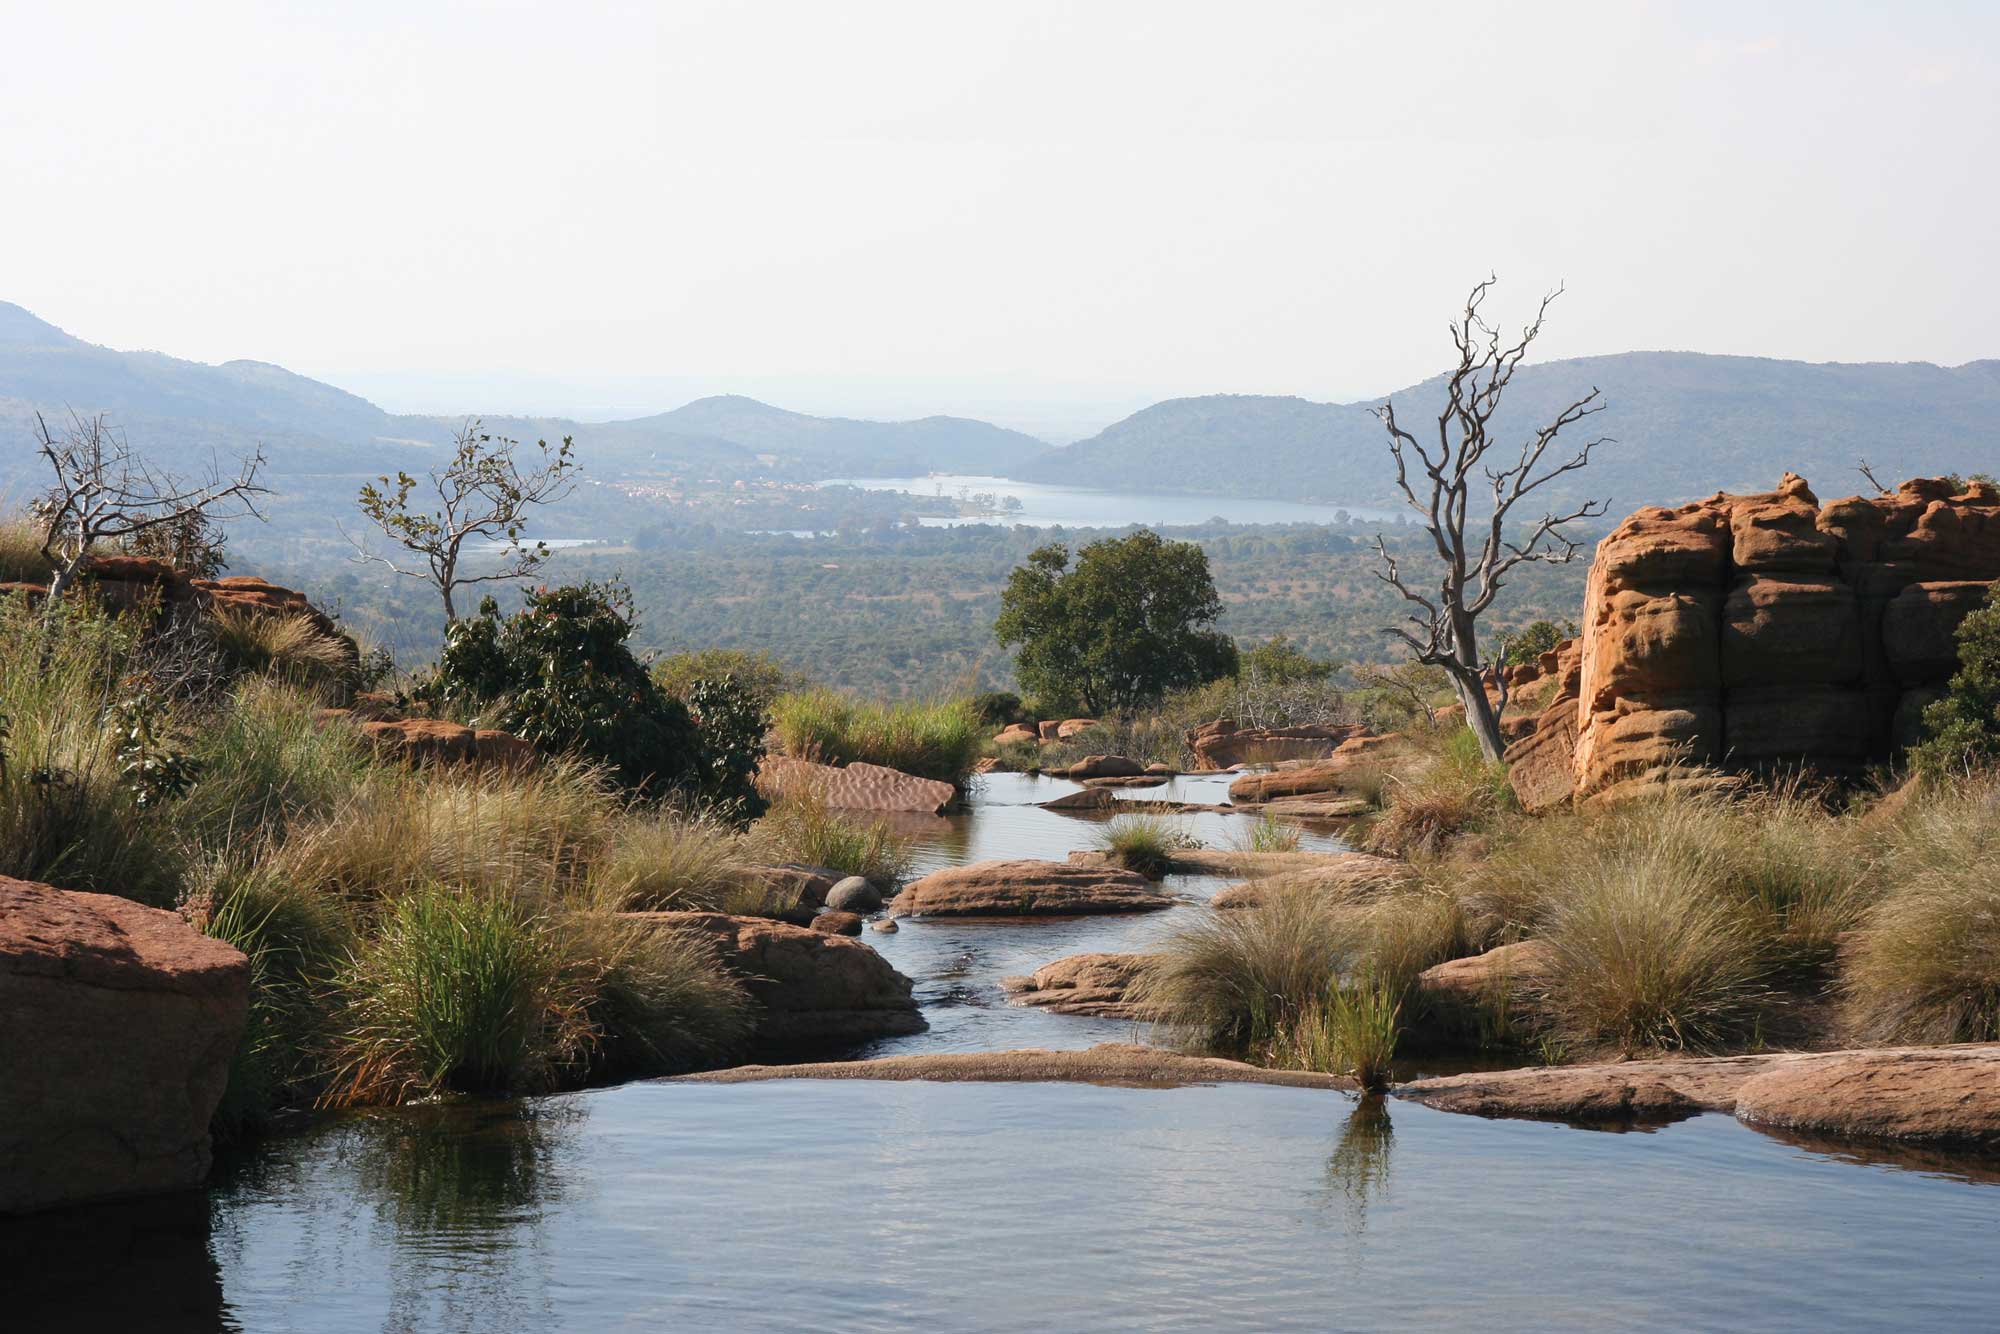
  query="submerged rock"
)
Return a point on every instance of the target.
[
  {"x": 117, "y": 1024},
  {"x": 1120, "y": 1063},
  {"x": 1087, "y": 984},
  {"x": 1028, "y": 889},
  {"x": 811, "y": 987}
]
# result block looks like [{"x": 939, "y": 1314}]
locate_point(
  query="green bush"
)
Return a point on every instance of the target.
[
  {"x": 762, "y": 677},
  {"x": 939, "y": 739},
  {"x": 558, "y": 673},
  {"x": 1000, "y": 708},
  {"x": 1962, "y": 730},
  {"x": 1144, "y": 843}
]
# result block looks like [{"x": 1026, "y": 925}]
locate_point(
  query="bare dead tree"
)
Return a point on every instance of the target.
[
  {"x": 104, "y": 492},
  {"x": 1868, "y": 472},
  {"x": 1478, "y": 546},
  {"x": 481, "y": 493}
]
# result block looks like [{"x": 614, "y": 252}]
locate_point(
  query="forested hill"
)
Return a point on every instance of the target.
[
  {"x": 1686, "y": 425},
  {"x": 181, "y": 412}
]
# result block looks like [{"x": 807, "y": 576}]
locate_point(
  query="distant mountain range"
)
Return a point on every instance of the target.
[{"x": 1686, "y": 424}]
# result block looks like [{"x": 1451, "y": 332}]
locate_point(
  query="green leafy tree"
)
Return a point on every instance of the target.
[
  {"x": 558, "y": 673},
  {"x": 730, "y": 723},
  {"x": 1528, "y": 644},
  {"x": 1962, "y": 730},
  {"x": 753, "y": 671},
  {"x": 1132, "y": 620},
  {"x": 483, "y": 497},
  {"x": 1279, "y": 662}
]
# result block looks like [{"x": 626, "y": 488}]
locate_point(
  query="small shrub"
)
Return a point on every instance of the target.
[
  {"x": 761, "y": 677},
  {"x": 1144, "y": 843},
  {"x": 729, "y": 725},
  {"x": 1963, "y": 728},
  {"x": 1019, "y": 756},
  {"x": 939, "y": 739},
  {"x": 460, "y": 992},
  {"x": 801, "y": 828},
  {"x": 1000, "y": 708}
]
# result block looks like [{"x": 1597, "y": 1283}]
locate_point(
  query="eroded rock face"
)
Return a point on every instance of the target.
[
  {"x": 1352, "y": 758},
  {"x": 811, "y": 987},
  {"x": 117, "y": 1024},
  {"x": 855, "y": 787},
  {"x": 1223, "y": 745},
  {"x": 1028, "y": 889},
  {"x": 1098, "y": 985},
  {"x": 1751, "y": 631}
]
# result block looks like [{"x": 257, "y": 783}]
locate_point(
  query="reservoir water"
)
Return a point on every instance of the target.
[{"x": 1082, "y": 507}]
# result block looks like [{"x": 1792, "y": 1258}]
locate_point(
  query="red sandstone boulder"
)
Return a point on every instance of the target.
[
  {"x": 1028, "y": 889},
  {"x": 1049, "y": 729},
  {"x": 1016, "y": 734},
  {"x": 812, "y": 987},
  {"x": 1070, "y": 727},
  {"x": 1353, "y": 757},
  {"x": 1104, "y": 766},
  {"x": 855, "y": 787},
  {"x": 1938, "y": 1095},
  {"x": 1223, "y": 745},
  {"x": 1097, "y": 985},
  {"x": 832, "y": 922},
  {"x": 117, "y": 1024}
]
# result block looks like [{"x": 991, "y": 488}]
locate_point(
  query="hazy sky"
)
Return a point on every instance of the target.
[{"x": 1036, "y": 212}]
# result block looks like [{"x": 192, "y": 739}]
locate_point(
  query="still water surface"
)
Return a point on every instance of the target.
[
  {"x": 1084, "y": 507},
  {"x": 932, "y": 1207}
]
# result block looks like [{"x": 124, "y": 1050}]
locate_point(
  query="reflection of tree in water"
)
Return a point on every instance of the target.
[{"x": 1357, "y": 1171}]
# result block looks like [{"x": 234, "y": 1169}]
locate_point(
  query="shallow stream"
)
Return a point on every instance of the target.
[{"x": 854, "y": 1205}]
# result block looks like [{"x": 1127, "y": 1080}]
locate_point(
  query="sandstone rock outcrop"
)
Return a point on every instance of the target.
[
  {"x": 1743, "y": 632},
  {"x": 1336, "y": 877},
  {"x": 855, "y": 787},
  {"x": 1121, "y": 1063},
  {"x": 1016, "y": 734},
  {"x": 810, "y": 987},
  {"x": 1102, "y": 766},
  {"x": 1351, "y": 759},
  {"x": 117, "y": 1024},
  {"x": 1028, "y": 889},
  {"x": 1097, "y": 985},
  {"x": 835, "y": 923},
  {"x": 1223, "y": 745}
]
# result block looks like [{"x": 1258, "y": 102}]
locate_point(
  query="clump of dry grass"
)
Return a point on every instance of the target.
[
  {"x": 1925, "y": 963},
  {"x": 532, "y": 832},
  {"x": 1144, "y": 843},
  {"x": 1439, "y": 788},
  {"x": 291, "y": 648},
  {"x": 21, "y": 558},
  {"x": 1234, "y": 980},
  {"x": 1352, "y": 1030},
  {"x": 668, "y": 861},
  {"x": 801, "y": 828}
]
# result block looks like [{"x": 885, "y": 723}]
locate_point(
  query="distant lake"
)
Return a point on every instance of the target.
[{"x": 1082, "y": 507}]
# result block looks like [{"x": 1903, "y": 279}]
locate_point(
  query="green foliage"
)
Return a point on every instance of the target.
[
  {"x": 762, "y": 677},
  {"x": 1000, "y": 708},
  {"x": 938, "y": 738},
  {"x": 1522, "y": 648},
  {"x": 1963, "y": 728},
  {"x": 1133, "y": 620},
  {"x": 1353, "y": 1030},
  {"x": 1279, "y": 662},
  {"x": 558, "y": 673},
  {"x": 729, "y": 726}
]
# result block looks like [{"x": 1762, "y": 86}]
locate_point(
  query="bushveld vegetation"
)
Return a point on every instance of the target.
[{"x": 412, "y": 930}]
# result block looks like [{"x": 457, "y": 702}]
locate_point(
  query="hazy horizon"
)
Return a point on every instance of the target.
[{"x": 1040, "y": 214}]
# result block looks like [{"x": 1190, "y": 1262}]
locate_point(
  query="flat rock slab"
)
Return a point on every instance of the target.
[
  {"x": 1028, "y": 889},
  {"x": 1335, "y": 876},
  {"x": 1097, "y": 985},
  {"x": 1122, "y": 1063},
  {"x": 117, "y": 1024},
  {"x": 1942, "y": 1096},
  {"x": 1219, "y": 861},
  {"x": 855, "y": 787}
]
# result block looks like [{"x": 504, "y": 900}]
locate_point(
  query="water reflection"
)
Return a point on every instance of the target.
[
  {"x": 1357, "y": 1171},
  {"x": 145, "y": 1264},
  {"x": 472, "y": 1174}
]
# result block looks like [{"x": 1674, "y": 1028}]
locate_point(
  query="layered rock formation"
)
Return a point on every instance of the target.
[
  {"x": 855, "y": 787},
  {"x": 117, "y": 1023},
  {"x": 1223, "y": 745},
  {"x": 1747, "y": 632},
  {"x": 1027, "y": 888},
  {"x": 1097, "y": 985}
]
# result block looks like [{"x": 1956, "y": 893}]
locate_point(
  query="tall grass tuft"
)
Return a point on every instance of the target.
[
  {"x": 1925, "y": 965},
  {"x": 1233, "y": 981},
  {"x": 1352, "y": 1030},
  {"x": 459, "y": 991},
  {"x": 1442, "y": 789},
  {"x": 290, "y": 648},
  {"x": 667, "y": 861},
  {"x": 1144, "y": 843},
  {"x": 939, "y": 738},
  {"x": 267, "y": 763},
  {"x": 21, "y": 558},
  {"x": 664, "y": 1003},
  {"x": 1270, "y": 834},
  {"x": 800, "y": 827}
]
